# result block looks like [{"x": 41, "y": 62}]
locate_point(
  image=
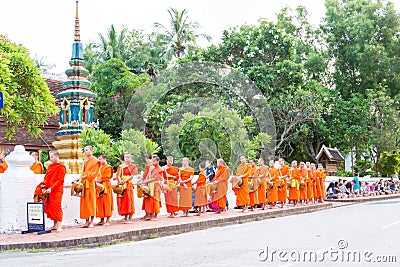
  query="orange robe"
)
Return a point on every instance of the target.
[
  {"x": 295, "y": 177},
  {"x": 322, "y": 177},
  {"x": 104, "y": 204},
  {"x": 253, "y": 195},
  {"x": 310, "y": 183},
  {"x": 273, "y": 191},
  {"x": 282, "y": 191},
  {"x": 171, "y": 195},
  {"x": 126, "y": 203},
  {"x": 304, "y": 178},
  {"x": 200, "y": 197},
  {"x": 37, "y": 168},
  {"x": 222, "y": 176},
  {"x": 242, "y": 194},
  {"x": 185, "y": 194},
  {"x": 88, "y": 200},
  {"x": 53, "y": 179},
  {"x": 152, "y": 202},
  {"x": 262, "y": 189},
  {"x": 316, "y": 185},
  {"x": 3, "y": 167}
]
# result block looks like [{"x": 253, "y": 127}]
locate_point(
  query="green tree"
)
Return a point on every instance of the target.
[
  {"x": 142, "y": 53},
  {"x": 267, "y": 54},
  {"x": 214, "y": 132},
  {"x": 115, "y": 86},
  {"x": 384, "y": 124},
  {"x": 102, "y": 143},
  {"x": 136, "y": 143},
  {"x": 181, "y": 33},
  {"x": 389, "y": 164},
  {"x": 362, "y": 38},
  {"x": 130, "y": 141},
  {"x": 27, "y": 99}
]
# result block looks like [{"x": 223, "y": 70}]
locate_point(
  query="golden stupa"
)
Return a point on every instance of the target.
[{"x": 76, "y": 105}]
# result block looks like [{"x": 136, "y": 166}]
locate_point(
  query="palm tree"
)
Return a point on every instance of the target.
[
  {"x": 182, "y": 32},
  {"x": 113, "y": 44}
]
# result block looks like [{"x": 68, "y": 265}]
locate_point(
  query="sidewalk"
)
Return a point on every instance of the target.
[
  {"x": 73, "y": 237},
  {"x": 364, "y": 199}
]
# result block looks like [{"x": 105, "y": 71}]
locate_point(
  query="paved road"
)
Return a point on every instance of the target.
[{"x": 372, "y": 228}]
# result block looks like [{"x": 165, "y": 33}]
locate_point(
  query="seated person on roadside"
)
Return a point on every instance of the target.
[
  {"x": 386, "y": 188},
  {"x": 393, "y": 186},
  {"x": 349, "y": 186},
  {"x": 356, "y": 185},
  {"x": 379, "y": 187},
  {"x": 343, "y": 191},
  {"x": 364, "y": 189},
  {"x": 331, "y": 191}
]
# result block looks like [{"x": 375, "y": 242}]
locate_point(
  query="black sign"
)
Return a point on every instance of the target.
[{"x": 35, "y": 218}]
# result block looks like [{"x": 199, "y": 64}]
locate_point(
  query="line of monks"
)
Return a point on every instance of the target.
[
  {"x": 254, "y": 186},
  {"x": 259, "y": 185},
  {"x": 97, "y": 199}
]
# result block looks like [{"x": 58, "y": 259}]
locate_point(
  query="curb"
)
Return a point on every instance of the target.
[
  {"x": 155, "y": 232},
  {"x": 364, "y": 199}
]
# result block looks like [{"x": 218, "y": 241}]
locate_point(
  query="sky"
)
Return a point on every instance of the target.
[{"x": 46, "y": 27}]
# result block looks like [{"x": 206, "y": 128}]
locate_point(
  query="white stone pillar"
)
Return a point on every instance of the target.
[{"x": 17, "y": 187}]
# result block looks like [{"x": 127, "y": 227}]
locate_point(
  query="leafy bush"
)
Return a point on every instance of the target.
[
  {"x": 389, "y": 164},
  {"x": 344, "y": 173},
  {"x": 132, "y": 141}
]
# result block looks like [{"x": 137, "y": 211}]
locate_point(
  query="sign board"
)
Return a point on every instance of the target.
[
  {"x": 1, "y": 100},
  {"x": 35, "y": 218},
  {"x": 331, "y": 168}
]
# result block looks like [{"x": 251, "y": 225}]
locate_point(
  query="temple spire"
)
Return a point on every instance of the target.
[{"x": 77, "y": 30}]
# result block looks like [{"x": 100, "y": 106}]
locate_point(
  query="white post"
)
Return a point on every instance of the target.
[{"x": 17, "y": 187}]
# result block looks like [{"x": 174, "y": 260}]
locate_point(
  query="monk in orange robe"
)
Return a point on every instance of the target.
[
  {"x": 104, "y": 204},
  {"x": 200, "y": 198},
  {"x": 309, "y": 184},
  {"x": 140, "y": 191},
  {"x": 295, "y": 177},
  {"x": 322, "y": 177},
  {"x": 53, "y": 185},
  {"x": 303, "y": 185},
  {"x": 3, "y": 164},
  {"x": 282, "y": 184},
  {"x": 185, "y": 189},
  {"x": 88, "y": 200},
  {"x": 37, "y": 166},
  {"x": 272, "y": 184},
  {"x": 261, "y": 173},
  {"x": 171, "y": 193},
  {"x": 221, "y": 180},
  {"x": 126, "y": 204},
  {"x": 120, "y": 166},
  {"x": 153, "y": 176},
  {"x": 242, "y": 193},
  {"x": 253, "y": 186},
  {"x": 315, "y": 183}
]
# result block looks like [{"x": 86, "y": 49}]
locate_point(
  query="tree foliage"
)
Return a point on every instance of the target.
[
  {"x": 130, "y": 141},
  {"x": 27, "y": 99},
  {"x": 389, "y": 164},
  {"x": 214, "y": 132},
  {"x": 115, "y": 87},
  {"x": 181, "y": 34}
]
